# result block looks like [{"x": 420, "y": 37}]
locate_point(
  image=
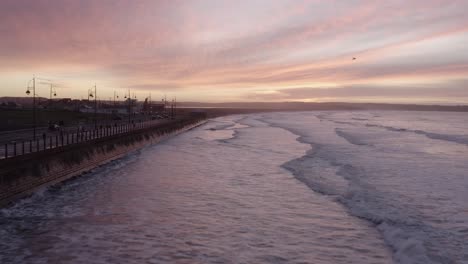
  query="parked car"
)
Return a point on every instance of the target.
[{"x": 54, "y": 127}]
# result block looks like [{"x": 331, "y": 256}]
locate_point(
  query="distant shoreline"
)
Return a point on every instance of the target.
[{"x": 220, "y": 109}]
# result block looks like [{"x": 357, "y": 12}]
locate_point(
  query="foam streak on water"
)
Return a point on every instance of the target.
[{"x": 221, "y": 193}]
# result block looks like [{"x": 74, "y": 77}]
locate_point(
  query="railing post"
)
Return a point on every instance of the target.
[
  {"x": 23, "y": 147},
  {"x": 6, "y": 150},
  {"x": 30, "y": 146},
  {"x": 61, "y": 137},
  {"x": 14, "y": 148},
  {"x": 45, "y": 141},
  {"x": 37, "y": 145},
  {"x": 50, "y": 142}
]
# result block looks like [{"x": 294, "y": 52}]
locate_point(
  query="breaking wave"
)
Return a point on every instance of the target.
[{"x": 412, "y": 240}]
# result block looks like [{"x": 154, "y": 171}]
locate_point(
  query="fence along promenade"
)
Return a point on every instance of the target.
[{"x": 60, "y": 139}]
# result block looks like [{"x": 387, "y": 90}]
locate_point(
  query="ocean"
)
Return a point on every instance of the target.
[{"x": 296, "y": 187}]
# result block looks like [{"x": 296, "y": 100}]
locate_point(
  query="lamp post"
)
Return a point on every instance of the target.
[
  {"x": 134, "y": 100},
  {"x": 33, "y": 88},
  {"x": 33, "y": 80},
  {"x": 115, "y": 96},
  {"x": 150, "y": 107},
  {"x": 52, "y": 91},
  {"x": 90, "y": 94},
  {"x": 129, "y": 98}
]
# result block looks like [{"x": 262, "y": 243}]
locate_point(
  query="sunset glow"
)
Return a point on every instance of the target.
[{"x": 258, "y": 50}]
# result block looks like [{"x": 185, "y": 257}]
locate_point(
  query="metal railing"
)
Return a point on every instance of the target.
[{"x": 61, "y": 139}]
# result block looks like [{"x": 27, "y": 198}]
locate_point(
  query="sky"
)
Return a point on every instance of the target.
[{"x": 245, "y": 50}]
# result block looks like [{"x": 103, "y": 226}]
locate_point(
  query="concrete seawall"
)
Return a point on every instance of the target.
[{"x": 22, "y": 175}]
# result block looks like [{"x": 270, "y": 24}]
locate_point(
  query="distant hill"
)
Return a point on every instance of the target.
[
  {"x": 21, "y": 100},
  {"x": 306, "y": 106},
  {"x": 287, "y": 106}
]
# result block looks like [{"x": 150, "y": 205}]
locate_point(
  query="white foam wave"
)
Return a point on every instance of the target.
[{"x": 403, "y": 227}]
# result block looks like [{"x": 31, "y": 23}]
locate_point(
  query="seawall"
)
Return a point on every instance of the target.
[{"x": 22, "y": 175}]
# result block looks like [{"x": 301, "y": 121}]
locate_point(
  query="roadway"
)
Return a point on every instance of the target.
[{"x": 25, "y": 136}]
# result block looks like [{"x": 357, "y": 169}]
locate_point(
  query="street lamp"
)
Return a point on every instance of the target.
[
  {"x": 115, "y": 96},
  {"x": 33, "y": 87},
  {"x": 53, "y": 92},
  {"x": 129, "y": 98},
  {"x": 91, "y": 94}
]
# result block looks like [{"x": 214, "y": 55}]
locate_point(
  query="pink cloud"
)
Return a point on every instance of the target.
[{"x": 205, "y": 44}]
